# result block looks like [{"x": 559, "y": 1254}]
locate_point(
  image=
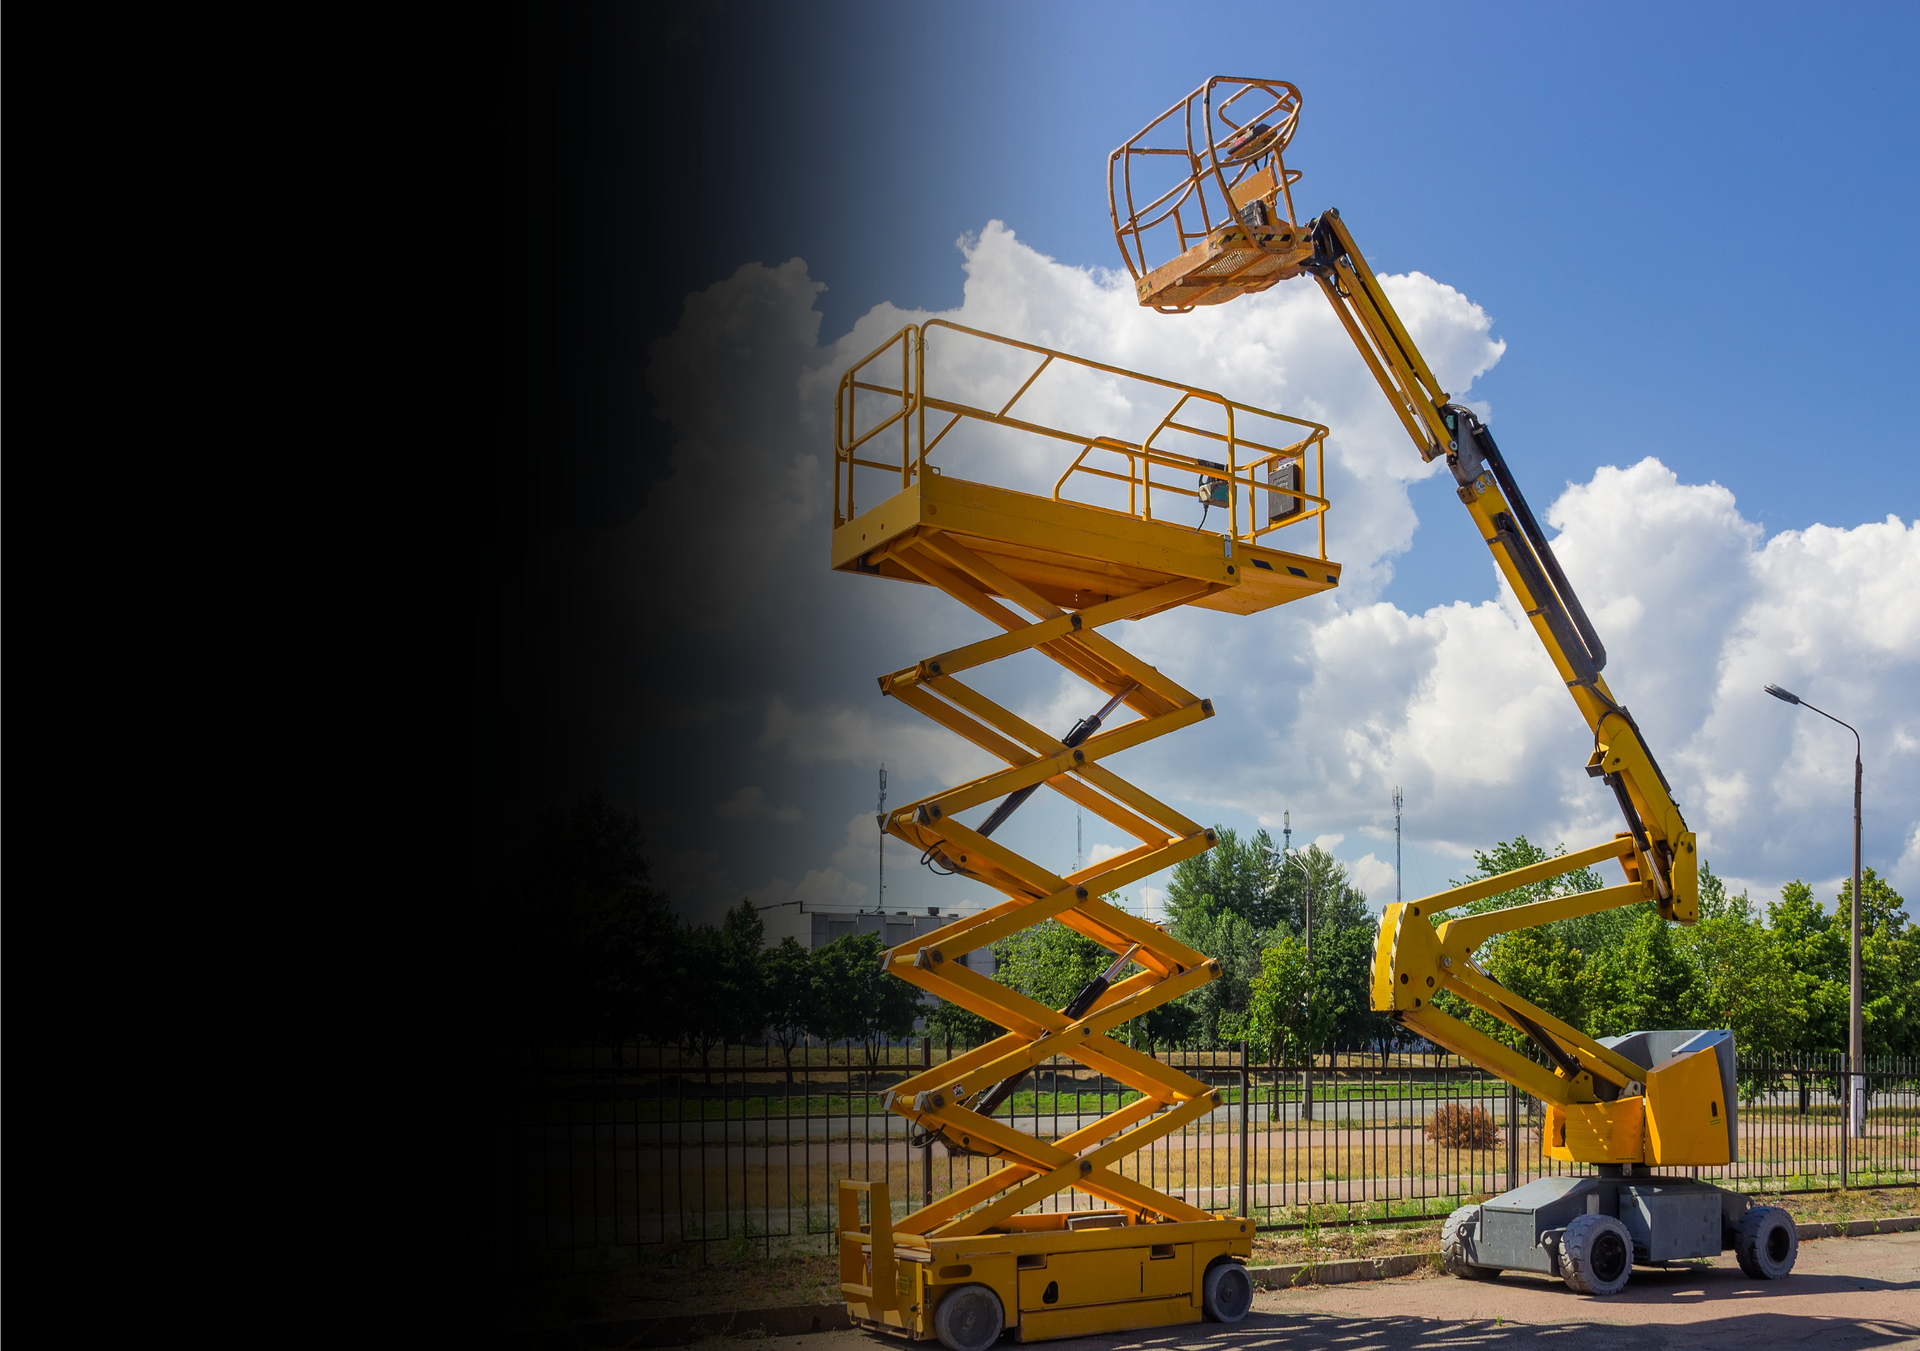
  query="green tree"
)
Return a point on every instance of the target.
[
  {"x": 856, "y": 1001},
  {"x": 582, "y": 942},
  {"x": 1889, "y": 967},
  {"x": 719, "y": 986},
  {"x": 790, "y": 996},
  {"x": 1219, "y": 1008},
  {"x": 1814, "y": 949},
  {"x": 1236, "y": 877},
  {"x": 1739, "y": 977},
  {"x": 1049, "y": 963},
  {"x": 1286, "y": 1017}
]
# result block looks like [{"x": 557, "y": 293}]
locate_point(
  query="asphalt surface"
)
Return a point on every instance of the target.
[{"x": 1844, "y": 1293}]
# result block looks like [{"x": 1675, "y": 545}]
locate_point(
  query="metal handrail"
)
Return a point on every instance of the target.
[{"x": 1244, "y": 457}]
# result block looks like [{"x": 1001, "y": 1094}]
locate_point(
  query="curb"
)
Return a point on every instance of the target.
[
  {"x": 639, "y": 1334},
  {"x": 1896, "y": 1224},
  {"x": 1405, "y": 1264},
  {"x": 1341, "y": 1273}
]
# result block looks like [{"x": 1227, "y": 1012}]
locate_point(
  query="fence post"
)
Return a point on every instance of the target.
[
  {"x": 1846, "y": 1121},
  {"x": 926, "y": 1151},
  {"x": 1513, "y": 1137},
  {"x": 1246, "y": 1108}
]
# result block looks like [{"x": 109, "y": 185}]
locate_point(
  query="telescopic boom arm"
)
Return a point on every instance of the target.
[{"x": 1663, "y": 847}]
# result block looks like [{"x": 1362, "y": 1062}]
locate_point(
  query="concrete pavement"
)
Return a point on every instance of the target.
[{"x": 1844, "y": 1293}]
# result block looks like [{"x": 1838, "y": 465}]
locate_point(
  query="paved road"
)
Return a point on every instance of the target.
[{"x": 1844, "y": 1293}]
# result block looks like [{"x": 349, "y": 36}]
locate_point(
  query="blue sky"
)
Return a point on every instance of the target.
[{"x": 1691, "y": 226}]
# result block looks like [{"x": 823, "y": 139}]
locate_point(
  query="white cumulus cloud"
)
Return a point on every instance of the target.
[{"x": 1326, "y": 704}]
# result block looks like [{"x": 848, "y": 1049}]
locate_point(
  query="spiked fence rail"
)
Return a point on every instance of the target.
[{"x": 551, "y": 1156}]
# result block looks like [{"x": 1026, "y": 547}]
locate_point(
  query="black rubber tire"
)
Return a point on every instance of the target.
[
  {"x": 1226, "y": 1295},
  {"x": 1596, "y": 1255},
  {"x": 970, "y": 1318},
  {"x": 1453, "y": 1254},
  {"x": 1766, "y": 1243}
]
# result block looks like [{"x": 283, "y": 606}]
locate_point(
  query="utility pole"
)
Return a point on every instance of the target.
[
  {"x": 880, "y": 811},
  {"x": 1396, "y": 842}
]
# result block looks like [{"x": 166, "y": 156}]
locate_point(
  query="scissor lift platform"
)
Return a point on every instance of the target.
[
  {"x": 1077, "y": 556},
  {"x": 1057, "y": 1240}
]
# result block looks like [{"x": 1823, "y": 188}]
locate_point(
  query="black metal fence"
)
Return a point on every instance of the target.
[{"x": 551, "y": 1154}]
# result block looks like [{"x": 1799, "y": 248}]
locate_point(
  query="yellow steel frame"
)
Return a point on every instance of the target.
[
  {"x": 1413, "y": 959},
  {"x": 905, "y": 404},
  {"x": 1074, "y": 569},
  {"x": 1227, "y": 203}
]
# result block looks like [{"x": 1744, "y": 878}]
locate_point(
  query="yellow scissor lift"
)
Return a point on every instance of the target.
[{"x": 1115, "y": 539}]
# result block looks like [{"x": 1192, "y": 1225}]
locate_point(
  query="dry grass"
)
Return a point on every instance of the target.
[
  {"x": 1297, "y": 1246},
  {"x": 1863, "y": 1203},
  {"x": 661, "y": 1284}
]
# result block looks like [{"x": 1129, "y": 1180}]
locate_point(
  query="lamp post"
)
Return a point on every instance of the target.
[{"x": 1856, "y": 1081}]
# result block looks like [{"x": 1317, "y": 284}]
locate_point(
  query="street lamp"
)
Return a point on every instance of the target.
[{"x": 1855, "y": 1038}]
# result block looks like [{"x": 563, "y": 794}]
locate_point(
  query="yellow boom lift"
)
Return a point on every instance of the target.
[{"x": 1202, "y": 208}]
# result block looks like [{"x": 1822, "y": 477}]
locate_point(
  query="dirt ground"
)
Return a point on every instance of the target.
[
  {"x": 665, "y": 1283},
  {"x": 1844, "y": 1293}
]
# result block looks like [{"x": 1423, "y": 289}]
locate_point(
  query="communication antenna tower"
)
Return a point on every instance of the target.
[
  {"x": 1286, "y": 831},
  {"x": 1079, "y": 841},
  {"x": 880, "y": 811},
  {"x": 1396, "y": 843}
]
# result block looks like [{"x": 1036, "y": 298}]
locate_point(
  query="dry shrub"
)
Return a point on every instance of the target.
[{"x": 1462, "y": 1127}]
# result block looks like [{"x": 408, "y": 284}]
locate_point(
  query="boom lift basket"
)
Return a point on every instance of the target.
[
  {"x": 1114, "y": 1253},
  {"x": 1202, "y": 199}
]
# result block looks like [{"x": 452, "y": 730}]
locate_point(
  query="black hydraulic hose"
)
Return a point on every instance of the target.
[
  {"x": 1010, "y": 804},
  {"x": 1537, "y": 537},
  {"x": 1076, "y": 1009}
]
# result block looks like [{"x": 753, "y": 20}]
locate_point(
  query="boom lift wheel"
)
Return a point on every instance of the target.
[
  {"x": 1766, "y": 1243},
  {"x": 1596, "y": 1255},
  {"x": 1227, "y": 1293},
  {"x": 1453, "y": 1248},
  {"x": 969, "y": 1319}
]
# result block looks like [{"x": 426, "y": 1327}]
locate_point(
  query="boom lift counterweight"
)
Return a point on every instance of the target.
[{"x": 1206, "y": 183}]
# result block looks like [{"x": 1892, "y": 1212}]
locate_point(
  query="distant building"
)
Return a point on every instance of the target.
[{"x": 816, "y": 927}]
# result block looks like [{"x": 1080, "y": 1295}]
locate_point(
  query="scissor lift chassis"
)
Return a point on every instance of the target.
[{"x": 1053, "y": 1282}]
